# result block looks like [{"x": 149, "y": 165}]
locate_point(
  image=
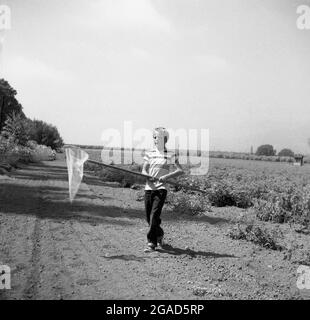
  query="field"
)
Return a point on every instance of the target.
[
  {"x": 276, "y": 192},
  {"x": 244, "y": 239}
]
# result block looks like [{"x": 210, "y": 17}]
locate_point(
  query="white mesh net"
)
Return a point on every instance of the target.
[{"x": 75, "y": 163}]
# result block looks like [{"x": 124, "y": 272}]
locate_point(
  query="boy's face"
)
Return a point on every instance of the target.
[{"x": 159, "y": 141}]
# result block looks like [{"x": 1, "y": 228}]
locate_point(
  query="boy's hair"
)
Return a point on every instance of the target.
[{"x": 163, "y": 132}]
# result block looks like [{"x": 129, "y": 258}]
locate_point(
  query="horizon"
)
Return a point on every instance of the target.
[
  {"x": 98, "y": 147},
  {"x": 239, "y": 69}
]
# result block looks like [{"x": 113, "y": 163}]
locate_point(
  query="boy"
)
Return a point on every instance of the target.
[{"x": 157, "y": 164}]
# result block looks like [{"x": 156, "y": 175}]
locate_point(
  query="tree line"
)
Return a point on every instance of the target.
[
  {"x": 268, "y": 150},
  {"x": 14, "y": 124}
]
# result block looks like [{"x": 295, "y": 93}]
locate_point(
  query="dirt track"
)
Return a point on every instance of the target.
[{"x": 93, "y": 249}]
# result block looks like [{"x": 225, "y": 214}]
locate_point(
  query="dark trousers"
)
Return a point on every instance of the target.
[{"x": 154, "y": 201}]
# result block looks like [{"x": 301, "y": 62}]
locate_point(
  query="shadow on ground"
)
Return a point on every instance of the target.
[
  {"x": 178, "y": 251},
  {"x": 172, "y": 251},
  {"x": 18, "y": 197},
  {"x": 125, "y": 257},
  {"x": 46, "y": 171}
]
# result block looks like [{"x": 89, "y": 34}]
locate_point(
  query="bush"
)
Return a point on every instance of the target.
[
  {"x": 265, "y": 150},
  {"x": 42, "y": 153},
  {"x": 22, "y": 154},
  {"x": 32, "y": 144},
  {"x": 271, "y": 211},
  {"x": 14, "y": 154},
  {"x": 45, "y": 134},
  {"x": 7, "y": 152},
  {"x": 230, "y": 194},
  {"x": 292, "y": 205},
  {"x": 184, "y": 203},
  {"x": 8, "y": 103},
  {"x": 5, "y": 146},
  {"x": 242, "y": 197},
  {"x": 220, "y": 196},
  {"x": 286, "y": 153},
  {"x": 257, "y": 235},
  {"x": 16, "y": 129}
]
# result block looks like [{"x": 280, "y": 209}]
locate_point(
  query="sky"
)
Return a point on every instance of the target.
[{"x": 239, "y": 68}]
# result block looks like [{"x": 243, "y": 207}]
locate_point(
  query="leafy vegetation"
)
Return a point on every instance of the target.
[
  {"x": 184, "y": 203},
  {"x": 286, "y": 153},
  {"x": 8, "y": 103},
  {"x": 258, "y": 235},
  {"x": 16, "y": 129},
  {"x": 265, "y": 150},
  {"x": 290, "y": 206},
  {"x": 45, "y": 134},
  {"x": 277, "y": 192},
  {"x": 22, "y": 139}
]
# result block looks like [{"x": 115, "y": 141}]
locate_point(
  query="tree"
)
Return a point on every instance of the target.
[
  {"x": 15, "y": 126},
  {"x": 16, "y": 129},
  {"x": 8, "y": 102},
  {"x": 286, "y": 153},
  {"x": 265, "y": 150},
  {"x": 46, "y": 134}
]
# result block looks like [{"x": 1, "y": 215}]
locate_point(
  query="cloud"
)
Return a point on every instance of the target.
[
  {"x": 211, "y": 63},
  {"x": 124, "y": 15},
  {"x": 140, "y": 53},
  {"x": 19, "y": 67},
  {"x": 127, "y": 57}
]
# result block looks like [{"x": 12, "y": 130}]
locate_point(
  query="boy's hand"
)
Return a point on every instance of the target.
[
  {"x": 162, "y": 179},
  {"x": 151, "y": 179}
]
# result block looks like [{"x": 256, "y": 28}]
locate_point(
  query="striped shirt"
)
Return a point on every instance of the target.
[{"x": 159, "y": 165}]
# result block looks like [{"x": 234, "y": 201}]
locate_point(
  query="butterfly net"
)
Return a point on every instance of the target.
[{"x": 75, "y": 163}]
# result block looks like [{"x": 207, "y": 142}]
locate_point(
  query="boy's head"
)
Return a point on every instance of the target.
[{"x": 160, "y": 137}]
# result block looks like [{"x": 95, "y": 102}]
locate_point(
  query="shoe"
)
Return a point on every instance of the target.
[{"x": 150, "y": 247}]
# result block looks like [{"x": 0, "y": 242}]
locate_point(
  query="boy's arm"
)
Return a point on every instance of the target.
[
  {"x": 179, "y": 171},
  {"x": 145, "y": 170},
  {"x": 145, "y": 167}
]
